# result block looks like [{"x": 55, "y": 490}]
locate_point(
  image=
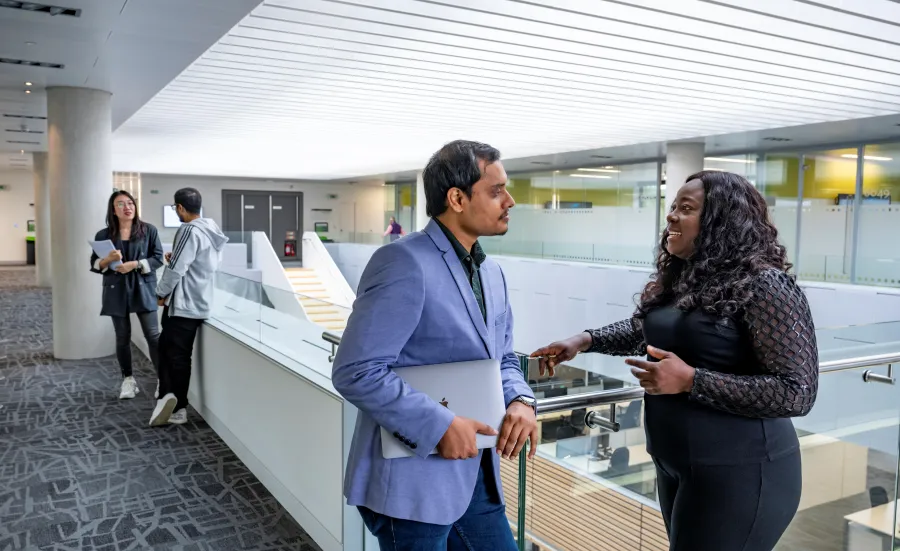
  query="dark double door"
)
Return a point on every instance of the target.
[{"x": 277, "y": 214}]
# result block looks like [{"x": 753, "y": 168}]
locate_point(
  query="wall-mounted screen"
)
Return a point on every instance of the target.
[
  {"x": 170, "y": 217},
  {"x": 320, "y": 227}
]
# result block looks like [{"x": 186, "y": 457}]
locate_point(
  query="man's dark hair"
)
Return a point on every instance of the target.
[
  {"x": 454, "y": 166},
  {"x": 190, "y": 199}
]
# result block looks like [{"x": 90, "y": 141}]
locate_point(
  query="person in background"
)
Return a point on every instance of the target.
[
  {"x": 130, "y": 288},
  {"x": 433, "y": 298},
  {"x": 186, "y": 292},
  {"x": 731, "y": 357},
  {"x": 394, "y": 229}
]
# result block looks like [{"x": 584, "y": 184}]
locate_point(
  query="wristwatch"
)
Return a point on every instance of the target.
[{"x": 528, "y": 401}]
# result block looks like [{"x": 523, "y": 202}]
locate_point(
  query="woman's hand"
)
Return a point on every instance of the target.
[
  {"x": 670, "y": 375},
  {"x": 113, "y": 256},
  {"x": 126, "y": 267},
  {"x": 561, "y": 351}
]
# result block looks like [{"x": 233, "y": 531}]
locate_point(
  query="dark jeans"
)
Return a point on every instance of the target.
[
  {"x": 150, "y": 328},
  {"x": 728, "y": 507},
  {"x": 176, "y": 346},
  {"x": 483, "y": 527}
]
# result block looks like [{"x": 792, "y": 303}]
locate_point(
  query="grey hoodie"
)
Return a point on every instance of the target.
[{"x": 187, "y": 283}]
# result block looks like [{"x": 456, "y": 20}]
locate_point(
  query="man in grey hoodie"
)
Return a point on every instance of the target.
[{"x": 186, "y": 292}]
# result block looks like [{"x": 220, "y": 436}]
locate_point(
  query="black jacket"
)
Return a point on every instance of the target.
[{"x": 134, "y": 292}]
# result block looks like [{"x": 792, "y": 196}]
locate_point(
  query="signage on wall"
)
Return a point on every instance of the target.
[{"x": 880, "y": 197}]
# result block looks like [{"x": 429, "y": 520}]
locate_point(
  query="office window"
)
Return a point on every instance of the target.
[
  {"x": 826, "y": 220},
  {"x": 878, "y": 249},
  {"x": 602, "y": 214}
]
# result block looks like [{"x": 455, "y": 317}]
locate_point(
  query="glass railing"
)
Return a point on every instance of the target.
[
  {"x": 594, "y": 487},
  {"x": 282, "y": 321},
  {"x": 602, "y": 253},
  {"x": 592, "y": 484}
]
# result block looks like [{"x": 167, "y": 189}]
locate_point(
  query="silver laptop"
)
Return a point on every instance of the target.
[{"x": 468, "y": 389}]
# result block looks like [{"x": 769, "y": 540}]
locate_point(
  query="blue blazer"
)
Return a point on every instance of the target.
[{"x": 415, "y": 306}]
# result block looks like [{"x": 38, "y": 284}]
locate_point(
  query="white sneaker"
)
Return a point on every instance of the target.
[
  {"x": 129, "y": 389},
  {"x": 163, "y": 410},
  {"x": 179, "y": 417}
]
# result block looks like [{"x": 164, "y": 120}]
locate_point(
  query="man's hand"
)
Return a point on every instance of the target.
[
  {"x": 459, "y": 440},
  {"x": 519, "y": 424},
  {"x": 168, "y": 257},
  {"x": 670, "y": 375},
  {"x": 126, "y": 267},
  {"x": 160, "y": 301}
]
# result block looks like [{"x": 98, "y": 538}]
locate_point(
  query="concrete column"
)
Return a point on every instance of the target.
[
  {"x": 682, "y": 160},
  {"x": 79, "y": 123},
  {"x": 422, "y": 217},
  {"x": 42, "y": 220}
]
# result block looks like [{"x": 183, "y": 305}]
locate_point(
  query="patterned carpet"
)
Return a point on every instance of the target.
[{"x": 80, "y": 469}]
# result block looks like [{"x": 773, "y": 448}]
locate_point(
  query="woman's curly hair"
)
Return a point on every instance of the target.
[{"x": 737, "y": 241}]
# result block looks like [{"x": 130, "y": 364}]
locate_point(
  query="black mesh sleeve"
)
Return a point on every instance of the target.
[
  {"x": 784, "y": 340},
  {"x": 623, "y": 338}
]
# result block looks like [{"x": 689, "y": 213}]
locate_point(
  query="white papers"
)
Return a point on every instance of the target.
[{"x": 102, "y": 249}]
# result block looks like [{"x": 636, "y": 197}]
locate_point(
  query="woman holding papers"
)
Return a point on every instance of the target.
[
  {"x": 731, "y": 357},
  {"x": 129, "y": 279}
]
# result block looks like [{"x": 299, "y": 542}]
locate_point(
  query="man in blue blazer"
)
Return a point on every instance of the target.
[{"x": 433, "y": 297}]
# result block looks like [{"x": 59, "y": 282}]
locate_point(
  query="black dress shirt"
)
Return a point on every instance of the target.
[{"x": 471, "y": 261}]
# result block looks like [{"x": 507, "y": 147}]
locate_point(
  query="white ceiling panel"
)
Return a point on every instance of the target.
[
  {"x": 340, "y": 88},
  {"x": 132, "y": 48}
]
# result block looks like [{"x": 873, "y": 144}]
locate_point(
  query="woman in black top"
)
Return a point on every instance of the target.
[
  {"x": 130, "y": 287},
  {"x": 731, "y": 356}
]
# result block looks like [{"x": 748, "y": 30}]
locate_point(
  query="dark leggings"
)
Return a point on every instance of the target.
[
  {"x": 728, "y": 507},
  {"x": 150, "y": 328}
]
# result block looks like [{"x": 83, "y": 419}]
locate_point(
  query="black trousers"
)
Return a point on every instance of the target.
[
  {"x": 176, "y": 346},
  {"x": 728, "y": 507},
  {"x": 150, "y": 328}
]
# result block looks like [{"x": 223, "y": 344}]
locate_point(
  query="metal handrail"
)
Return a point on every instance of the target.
[
  {"x": 856, "y": 363},
  {"x": 588, "y": 399},
  {"x": 618, "y": 395}
]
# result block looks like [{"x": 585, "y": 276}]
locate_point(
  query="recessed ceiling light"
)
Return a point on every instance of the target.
[
  {"x": 27, "y": 91},
  {"x": 28, "y": 84},
  {"x": 597, "y": 176},
  {"x": 30, "y": 43},
  {"x": 599, "y": 170},
  {"x": 729, "y": 160},
  {"x": 22, "y": 151},
  {"x": 867, "y": 157}
]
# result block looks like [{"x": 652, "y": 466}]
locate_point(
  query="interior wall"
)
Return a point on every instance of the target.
[
  {"x": 15, "y": 211},
  {"x": 158, "y": 190}
]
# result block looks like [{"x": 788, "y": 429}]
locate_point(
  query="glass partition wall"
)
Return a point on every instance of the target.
[
  {"x": 594, "y": 489},
  {"x": 836, "y": 210}
]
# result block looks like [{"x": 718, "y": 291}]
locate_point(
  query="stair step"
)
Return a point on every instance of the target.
[
  {"x": 318, "y": 319},
  {"x": 307, "y": 290},
  {"x": 289, "y": 270},
  {"x": 311, "y": 292},
  {"x": 312, "y": 302}
]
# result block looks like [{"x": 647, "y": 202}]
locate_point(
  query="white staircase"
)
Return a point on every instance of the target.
[{"x": 313, "y": 295}]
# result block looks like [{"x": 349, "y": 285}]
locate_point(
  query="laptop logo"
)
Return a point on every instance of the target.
[{"x": 444, "y": 402}]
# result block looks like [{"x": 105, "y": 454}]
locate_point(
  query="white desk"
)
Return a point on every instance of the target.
[{"x": 871, "y": 529}]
